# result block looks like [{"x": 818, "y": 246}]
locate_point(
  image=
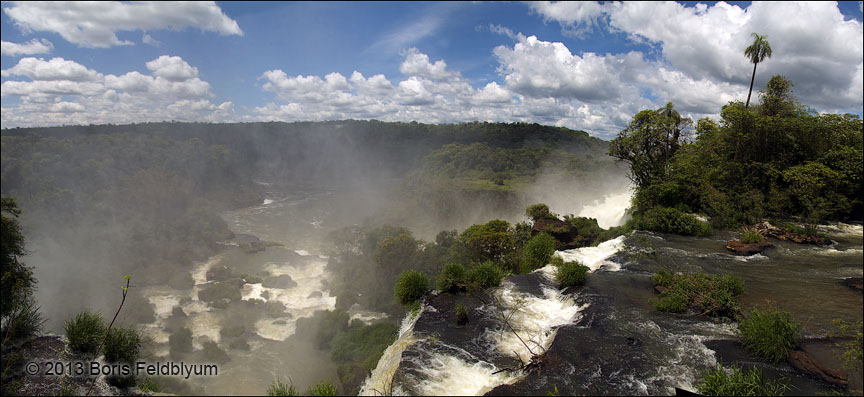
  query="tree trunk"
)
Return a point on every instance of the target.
[{"x": 751, "y": 86}]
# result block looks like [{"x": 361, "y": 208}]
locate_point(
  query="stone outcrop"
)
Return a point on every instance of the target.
[
  {"x": 740, "y": 248},
  {"x": 807, "y": 364},
  {"x": 768, "y": 230},
  {"x": 566, "y": 236},
  {"x": 856, "y": 283}
]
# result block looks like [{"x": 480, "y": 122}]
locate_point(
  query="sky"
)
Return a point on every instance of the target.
[{"x": 583, "y": 65}]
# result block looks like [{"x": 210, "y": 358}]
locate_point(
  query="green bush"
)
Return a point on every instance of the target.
[
  {"x": 232, "y": 329},
  {"x": 279, "y": 388},
  {"x": 461, "y": 314},
  {"x": 769, "y": 333},
  {"x": 671, "y": 220},
  {"x": 714, "y": 296},
  {"x": 411, "y": 286},
  {"x": 851, "y": 353},
  {"x": 122, "y": 345},
  {"x": 736, "y": 382},
  {"x": 85, "y": 332},
  {"x": 180, "y": 341},
  {"x": 212, "y": 353},
  {"x": 484, "y": 275},
  {"x": 537, "y": 252},
  {"x": 322, "y": 389},
  {"x": 149, "y": 385},
  {"x": 452, "y": 278},
  {"x": 538, "y": 212},
  {"x": 749, "y": 236},
  {"x": 26, "y": 323},
  {"x": 571, "y": 274}
]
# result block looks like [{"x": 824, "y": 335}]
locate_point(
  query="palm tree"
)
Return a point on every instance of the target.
[{"x": 757, "y": 53}]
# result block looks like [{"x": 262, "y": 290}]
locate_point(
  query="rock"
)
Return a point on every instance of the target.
[
  {"x": 316, "y": 294},
  {"x": 252, "y": 247},
  {"x": 854, "y": 283},
  {"x": 739, "y": 248},
  {"x": 282, "y": 281},
  {"x": 768, "y": 230},
  {"x": 660, "y": 289},
  {"x": 807, "y": 364}
]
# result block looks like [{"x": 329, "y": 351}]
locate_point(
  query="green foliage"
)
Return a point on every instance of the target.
[
  {"x": 851, "y": 353},
  {"x": 484, "y": 275},
  {"x": 358, "y": 350},
  {"x": 84, "y": 332},
  {"x": 750, "y": 236},
  {"x": 571, "y": 274},
  {"x": 769, "y": 333},
  {"x": 649, "y": 142},
  {"x": 671, "y": 220},
  {"x": 19, "y": 315},
  {"x": 461, "y": 314},
  {"x": 537, "y": 252},
  {"x": 279, "y": 388},
  {"x": 180, "y": 341},
  {"x": 123, "y": 345},
  {"x": 452, "y": 278},
  {"x": 148, "y": 385},
  {"x": 538, "y": 212},
  {"x": 322, "y": 389},
  {"x": 493, "y": 241},
  {"x": 714, "y": 296},
  {"x": 411, "y": 286},
  {"x": 778, "y": 160},
  {"x": 737, "y": 382}
]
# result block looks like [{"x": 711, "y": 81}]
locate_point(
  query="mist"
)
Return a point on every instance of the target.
[{"x": 253, "y": 208}]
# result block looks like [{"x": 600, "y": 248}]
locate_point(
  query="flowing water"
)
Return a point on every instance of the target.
[{"x": 603, "y": 338}]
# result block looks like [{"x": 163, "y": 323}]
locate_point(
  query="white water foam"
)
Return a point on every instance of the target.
[
  {"x": 535, "y": 319},
  {"x": 843, "y": 229},
  {"x": 595, "y": 257},
  {"x": 380, "y": 381},
  {"x": 267, "y": 202},
  {"x": 450, "y": 376},
  {"x": 612, "y": 211}
]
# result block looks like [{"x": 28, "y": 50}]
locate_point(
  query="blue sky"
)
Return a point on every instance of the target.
[{"x": 586, "y": 65}]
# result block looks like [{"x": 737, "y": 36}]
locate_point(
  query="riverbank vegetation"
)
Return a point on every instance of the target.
[
  {"x": 736, "y": 381},
  {"x": 776, "y": 159},
  {"x": 769, "y": 333},
  {"x": 706, "y": 294}
]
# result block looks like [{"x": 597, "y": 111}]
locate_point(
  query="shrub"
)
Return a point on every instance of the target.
[
  {"x": 461, "y": 314},
  {"x": 851, "y": 353},
  {"x": 148, "y": 385},
  {"x": 671, "y": 220},
  {"x": 710, "y": 295},
  {"x": 232, "y": 329},
  {"x": 736, "y": 382},
  {"x": 122, "y": 345},
  {"x": 279, "y": 388},
  {"x": 537, "y": 252},
  {"x": 85, "y": 332},
  {"x": 411, "y": 286},
  {"x": 539, "y": 211},
  {"x": 769, "y": 333},
  {"x": 571, "y": 274},
  {"x": 180, "y": 341},
  {"x": 452, "y": 278},
  {"x": 750, "y": 236},
  {"x": 484, "y": 275},
  {"x": 27, "y": 322},
  {"x": 322, "y": 389}
]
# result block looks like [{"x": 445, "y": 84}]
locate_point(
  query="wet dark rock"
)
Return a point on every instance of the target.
[
  {"x": 856, "y": 283},
  {"x": 252, "y": 247},
  {"x": 739, "y": 248},
  {"x": 660, "y": 289},
  {"x": 806, "y": 363}
]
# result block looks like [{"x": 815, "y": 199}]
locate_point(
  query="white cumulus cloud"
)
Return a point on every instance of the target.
[
  {"x": 31, "y": 47},
  {"x": 95, "y": 24}
]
